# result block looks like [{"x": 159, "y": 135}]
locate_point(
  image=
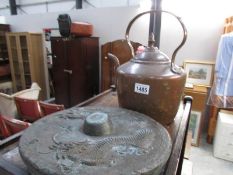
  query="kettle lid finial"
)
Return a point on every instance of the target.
[{"x": 151, "y": 40}]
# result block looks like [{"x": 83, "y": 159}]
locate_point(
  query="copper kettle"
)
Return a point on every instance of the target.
[{"x": 150, "y": 82}]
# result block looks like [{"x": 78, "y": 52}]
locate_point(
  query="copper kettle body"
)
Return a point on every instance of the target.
[{"x": 150, "y": 82}]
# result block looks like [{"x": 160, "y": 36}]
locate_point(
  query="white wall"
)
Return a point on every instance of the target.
[
  {"x": 109, "y": 23},
  {"x": 2, "y": 20},
  {"x": 204, "y": 21}
]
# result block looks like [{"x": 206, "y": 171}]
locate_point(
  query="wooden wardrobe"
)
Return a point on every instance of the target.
[{"x": 75, "y": 70}]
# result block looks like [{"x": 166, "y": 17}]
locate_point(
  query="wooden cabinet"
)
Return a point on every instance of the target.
[
  {"x": 27, "y": 61},
  {"x": 75, "y": 69}
]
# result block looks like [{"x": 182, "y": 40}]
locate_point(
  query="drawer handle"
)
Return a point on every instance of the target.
[
  {"x": 230, "y": 144},
  {"x": 68, "y": 71}
]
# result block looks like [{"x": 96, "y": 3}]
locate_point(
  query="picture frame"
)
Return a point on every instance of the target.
[
  {"x": 199, "y": 73},
  {"x": 195, "y": 126}
]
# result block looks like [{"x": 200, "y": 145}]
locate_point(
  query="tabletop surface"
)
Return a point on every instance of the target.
[{"x": 9, "y": 163}]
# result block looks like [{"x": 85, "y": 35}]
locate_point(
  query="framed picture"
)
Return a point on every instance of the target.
[
  {"x": 199, "y": 73},
  {"x": 194, "y": 126}
]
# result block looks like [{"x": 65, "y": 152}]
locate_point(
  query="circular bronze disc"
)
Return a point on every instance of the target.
[{"x": 57, "y": 144}]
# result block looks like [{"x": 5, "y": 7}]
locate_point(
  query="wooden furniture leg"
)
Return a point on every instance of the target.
[{"x": 212, "y": 123}]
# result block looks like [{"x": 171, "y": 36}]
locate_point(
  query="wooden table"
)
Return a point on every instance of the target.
[{"x": 177, "y": 130}]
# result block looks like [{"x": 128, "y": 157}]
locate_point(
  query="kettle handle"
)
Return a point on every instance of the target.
[{"x": 173, "y": 67}]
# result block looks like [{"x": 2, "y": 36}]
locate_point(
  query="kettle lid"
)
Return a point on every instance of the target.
[{"x": 151, "y": 53}]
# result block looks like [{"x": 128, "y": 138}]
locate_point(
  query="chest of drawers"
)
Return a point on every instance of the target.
[{"x": 223, "y": 141}]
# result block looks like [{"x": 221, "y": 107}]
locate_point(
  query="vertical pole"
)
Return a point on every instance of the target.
[
  {"x": 152, "y": 17},
  {"x": 13, "y": 7},
  {"x": 155, "y": 21},
  {"x": 79, "y": 4},
  {"x": 46, "y": 5}
]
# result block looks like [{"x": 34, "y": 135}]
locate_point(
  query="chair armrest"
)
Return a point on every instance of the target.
[{"x": 2, "y": 95}]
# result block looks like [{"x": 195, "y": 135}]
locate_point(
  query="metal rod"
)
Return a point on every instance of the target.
[
  {"x": 157, "y": 27},
  {"x": 79, "y": 4},
  {"x": 44, "y": 2},
  {"x": 87, "y": 2},
  {"x": 152, "y": 18},
  {"x": 13, "y": 7},
  {"x": 36, "y": 3},
  {"x": 74, "y": 7},
  {"x": 22, "y": 10},
  {"x": 47, "y": 2},
  {"x": 155, "y": 21}
]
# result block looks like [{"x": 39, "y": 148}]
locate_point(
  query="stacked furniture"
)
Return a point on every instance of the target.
[
  {"x": 75, "y": 69},
  {"x": 27, "y": 61}
]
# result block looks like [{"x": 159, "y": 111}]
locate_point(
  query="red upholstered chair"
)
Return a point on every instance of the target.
[
  {"x": 3, "y": 128},
  {"x": 48, "y": 108},
  {"x": 28, "y": 109},
  {"x": 13, "y": 125}
]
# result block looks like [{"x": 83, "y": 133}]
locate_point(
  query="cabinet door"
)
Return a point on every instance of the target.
[
  {"x": 24, "y": 59},
  {"x": 15, "y": 58},
  {"x": 77, "y": 79},
  {"x": 91, "y": 55},
  {"x": 60, "y": 78},
  {"x": 83, "y": 61}
]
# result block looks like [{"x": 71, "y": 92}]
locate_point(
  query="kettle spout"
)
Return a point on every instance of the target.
[
  {"x": 114, "y": 59},
  {"x": 116, "y": 64}
]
